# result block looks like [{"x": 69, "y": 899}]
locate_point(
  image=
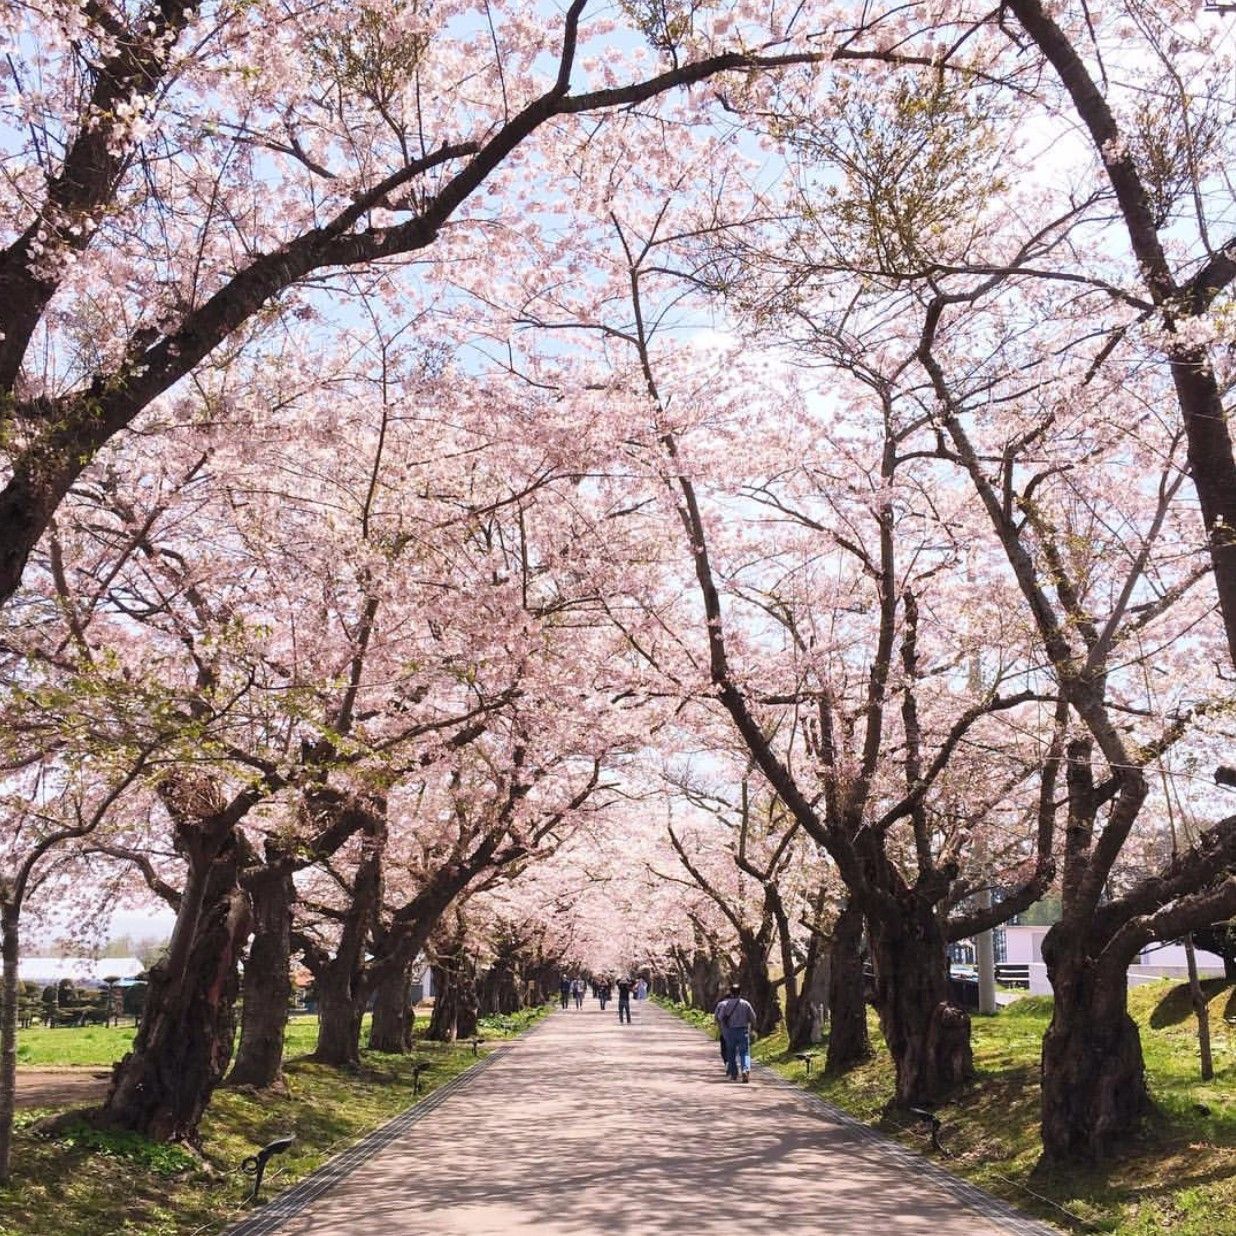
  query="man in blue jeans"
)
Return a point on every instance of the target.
[{"x": 737, "y": 1020}]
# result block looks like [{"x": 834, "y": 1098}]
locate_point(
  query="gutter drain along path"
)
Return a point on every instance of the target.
[{"x": 586, "y": 1126}]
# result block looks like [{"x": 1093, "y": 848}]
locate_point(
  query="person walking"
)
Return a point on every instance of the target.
[
  {"x": 603, "y": 993},
  {"x": 564, "y": 991},
  {"x": 737, "y": 1020},
  {"x": 641, "y": 988},
  {"x": 577, "y": 990},
  {"x": 722, "y": 1037},
  {"x": 624, "y": 1001}
]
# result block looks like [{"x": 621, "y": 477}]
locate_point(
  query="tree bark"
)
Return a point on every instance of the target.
[
  {"x": 339, "y": 1020},
  {"x": 848, "y": 1041},
  {"x": 162, "y": 1086},
  {"x": 267, "y": 981},
  {"x": 706, "y": 979},
  {"x": 1094, "y": 1084},
  {"x": 1201, "y": 1010},
  {"x": 342, "y": 990},
  {"x": 756, "y": 983},
  {"x": 455, "y": 1008},
  {"x": 455, "y": 1012},
  {"x": 499, "y": 990},
  {"x": 391, "y": 1027},
  {"x": 805, "y": 1028},
  {"x": 927, "y": 1036},
  {"x": 389, "y": 974},
  {"x": 9, "y": 951},
  {"x": 785, "y": 943}
]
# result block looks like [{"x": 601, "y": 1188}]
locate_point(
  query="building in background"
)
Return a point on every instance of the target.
[{"x": 1022, "y": 950}]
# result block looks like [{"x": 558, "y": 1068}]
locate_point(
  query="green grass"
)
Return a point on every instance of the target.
[
  {"x": 85, "y": 1045},
  {"x": 39, "y": 1047},
  {"x": 507, "y": 1025},
  {"x": 1179, "y": 1175},
  {"x": 92, "y": 1183}
]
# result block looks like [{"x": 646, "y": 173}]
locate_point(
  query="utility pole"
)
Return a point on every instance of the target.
[
  {"x": 985, "y": 957},
  {"x": 984, "y": 942}
]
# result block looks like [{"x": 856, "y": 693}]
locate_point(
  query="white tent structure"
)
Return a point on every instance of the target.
[{"x": 81, "y": 971}]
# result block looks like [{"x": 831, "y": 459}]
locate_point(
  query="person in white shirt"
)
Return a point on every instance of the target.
[{"x": 737, "y": 1020}]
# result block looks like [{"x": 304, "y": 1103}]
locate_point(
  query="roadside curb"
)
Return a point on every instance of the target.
[
  {"x": 288, "y": 1204},
  {"x": 994, "y": 1209}
]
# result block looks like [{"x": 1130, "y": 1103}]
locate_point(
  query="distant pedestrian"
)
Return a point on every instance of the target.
[
  {"x": 624, "y": 1000},
  {"x": 737, "y": 1020},
  {"x": 641, "y": 989},
  {"x": 604, "y": 992},
  {"x": 564, "y": 991},
  {"x": 721, "y": 1035},
  {"x": 577, "y": 990}
]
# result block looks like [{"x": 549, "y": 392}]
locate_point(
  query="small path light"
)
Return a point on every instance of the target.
[
  {"x": 806, "y": 1058},
  {"x": 930, "y": 1118},
  {"x": 255, "y": 1164},
  {"x": 476, "y": 1044},
  {"x": 418, "y": 1067}
]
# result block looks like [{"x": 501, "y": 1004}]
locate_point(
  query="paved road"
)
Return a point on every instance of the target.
[
  {"x": 591, "y": 1127},
  {"x": 76, "y": 1086}
]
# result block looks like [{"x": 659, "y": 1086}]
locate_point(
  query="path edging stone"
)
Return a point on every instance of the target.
[
  {"x": 994, "y": 1209},
  {"x": 288, "y": 1204}
]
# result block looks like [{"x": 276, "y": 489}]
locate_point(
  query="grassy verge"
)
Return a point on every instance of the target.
[
  {"x": 507, "y": 1025},
  {"x": 89, "y": 1183},
  {"x": 95, "y": 1046},
  {"x": 1179, "y": 1177}
]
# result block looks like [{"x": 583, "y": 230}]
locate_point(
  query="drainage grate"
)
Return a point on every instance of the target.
[{"x": 291, "y": 1202}]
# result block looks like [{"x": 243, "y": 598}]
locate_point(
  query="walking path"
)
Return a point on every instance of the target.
[{"x": 586, "y": 1126}]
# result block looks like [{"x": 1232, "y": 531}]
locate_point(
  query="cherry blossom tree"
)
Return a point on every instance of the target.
[
  {"x": 905, "y": 550},
  {"x": 179, "y": 175},
  {"x": 49, "y": 807},
  {"x": 1044, "y": 428}
]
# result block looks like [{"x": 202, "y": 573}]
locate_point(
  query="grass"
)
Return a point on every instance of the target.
[
  {"x": 99, "y": 1047},
  {"x": 92, "y": 1183},
  {"x": 1179, "y": 1175}
]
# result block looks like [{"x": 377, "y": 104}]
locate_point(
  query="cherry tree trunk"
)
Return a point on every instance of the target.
[
  {"x": 182, "y": 1049},
  {"x": 670, "y": 986},
  {"x": 848, "y": 1041},
  {"x": 9, "y": 949},
  {"x": 455, "y": 1008},
  {"x": 792, "y": 978},
  {"x": 540, "y": 982},
  {"x": 805, "y": 1027},
  {"x": 391, "y": 979},
  {"x": 391, "y": 1027},
  {"x": 340, "y": 1011},
  {"x": 499, "y": 990},
  {"x": 1094, "y": 1083},
  {"x": 927, "y": 1036},
  {"x": 267, "y": 982},
  {"x": 757, "y": 985},
  {"x": 342, "y": 990},
  {"x": 705, "y": 980}
]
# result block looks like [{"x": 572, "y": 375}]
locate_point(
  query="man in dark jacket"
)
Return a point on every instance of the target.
[
  {"x": 624, "y": 1000},
  {"x": 736, "y": 1018}
]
